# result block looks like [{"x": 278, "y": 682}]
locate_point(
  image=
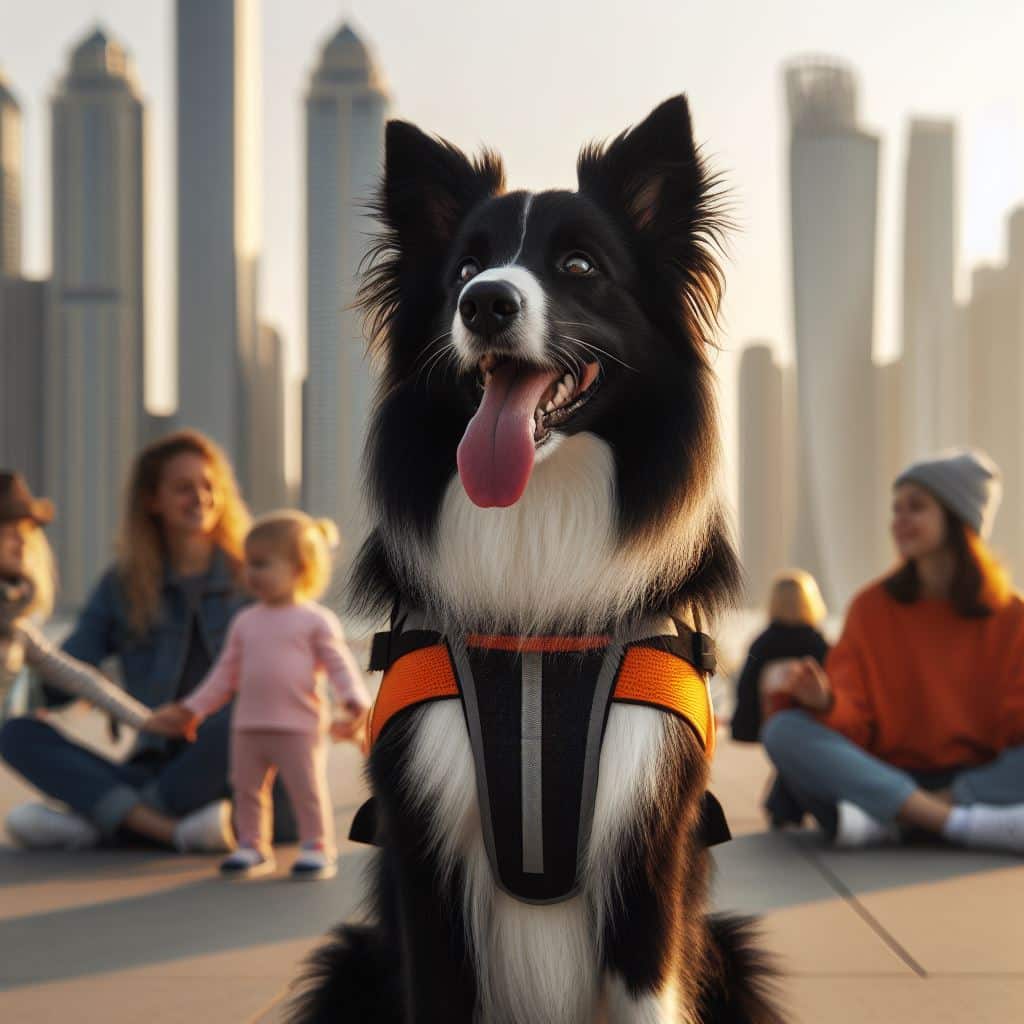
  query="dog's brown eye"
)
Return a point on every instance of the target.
[
  {"x": 579, "y": 264},
  {"x": 467, "y": 269}
]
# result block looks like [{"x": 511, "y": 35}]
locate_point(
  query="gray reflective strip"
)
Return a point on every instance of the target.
[
  {"x": 530, "y": 763},
  {"x": 595, "y": 733},
  {"x": 467, "y": 688}
]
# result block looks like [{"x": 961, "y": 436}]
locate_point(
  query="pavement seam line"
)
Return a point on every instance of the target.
[{"x": 858, "y": 908}]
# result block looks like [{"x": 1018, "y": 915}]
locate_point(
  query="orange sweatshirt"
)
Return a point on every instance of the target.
[{"x": 923, "y": 688}]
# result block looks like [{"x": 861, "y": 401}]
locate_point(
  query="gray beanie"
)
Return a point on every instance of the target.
[{"x": 965, "y": 480}]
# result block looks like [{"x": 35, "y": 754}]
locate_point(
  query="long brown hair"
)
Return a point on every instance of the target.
[
  {"x": 980, "y": 586},
  {"x": 141, "y": 546}
]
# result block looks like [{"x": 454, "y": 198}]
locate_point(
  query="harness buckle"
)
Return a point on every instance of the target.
[
  {"x": 704, "y": 655},
  {"x": 380, "y": 652}
]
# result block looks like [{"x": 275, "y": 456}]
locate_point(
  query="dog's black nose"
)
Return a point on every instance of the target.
[{"x": 488, "y": 307}]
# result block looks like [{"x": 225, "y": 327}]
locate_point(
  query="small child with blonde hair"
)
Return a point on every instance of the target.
[
  {"x": 274, "y": 655},
  {"x": 796, "y": 612}
]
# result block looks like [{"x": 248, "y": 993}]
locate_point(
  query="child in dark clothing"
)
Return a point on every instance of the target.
[{"x": 795, "y": 610}]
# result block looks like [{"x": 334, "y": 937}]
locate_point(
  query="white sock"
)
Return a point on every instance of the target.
[{"x": 987, "y": 827}]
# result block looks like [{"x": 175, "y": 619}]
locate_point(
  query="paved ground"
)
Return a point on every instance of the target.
[{"x": 897, "y": 936}]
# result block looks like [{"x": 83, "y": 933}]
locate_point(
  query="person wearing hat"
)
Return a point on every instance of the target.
[
  {"x": 916, "y": 720},
  {"x": 26, "y": 591}
]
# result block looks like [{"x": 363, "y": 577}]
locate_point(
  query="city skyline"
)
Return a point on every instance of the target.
[
  {"x": 739, "y": 115},
  {"x": 220, "y": 253}
]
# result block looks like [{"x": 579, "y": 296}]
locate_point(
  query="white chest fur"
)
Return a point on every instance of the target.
[
  {"x": 525, "y": 953},
  {"x": 554, "y": 556}
]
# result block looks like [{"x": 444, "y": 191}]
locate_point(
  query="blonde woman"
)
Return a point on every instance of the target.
[
  {"x": 275, "y": 653},
  {"x": 163, "y": 610},
  {"x": 795, "y": 612}
]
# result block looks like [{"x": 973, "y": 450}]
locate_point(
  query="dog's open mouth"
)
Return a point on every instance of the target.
[{"x": 520, "y": 406}]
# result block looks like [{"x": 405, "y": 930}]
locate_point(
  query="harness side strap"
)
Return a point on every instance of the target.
[{"x": 422, "y": 675}]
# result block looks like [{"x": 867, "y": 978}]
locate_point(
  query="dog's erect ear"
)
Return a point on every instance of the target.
[
  {"x": 430, "y": 185},
  {"x": 650, "y": 173}
]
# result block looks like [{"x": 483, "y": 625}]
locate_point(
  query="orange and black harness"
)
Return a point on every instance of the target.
[{"x": 536, "y": 708}]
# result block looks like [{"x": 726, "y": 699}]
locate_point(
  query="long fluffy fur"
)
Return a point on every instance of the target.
[{"x": 621, "y": 519}]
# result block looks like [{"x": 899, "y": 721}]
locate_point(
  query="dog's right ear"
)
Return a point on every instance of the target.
[{"x": 430, "y": 185}]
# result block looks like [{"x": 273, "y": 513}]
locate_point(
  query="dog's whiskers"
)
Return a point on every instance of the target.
[{"x": 590, "y": 346}]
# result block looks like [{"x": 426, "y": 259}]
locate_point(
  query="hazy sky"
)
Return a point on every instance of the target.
[{"x": 537, "y": 77}]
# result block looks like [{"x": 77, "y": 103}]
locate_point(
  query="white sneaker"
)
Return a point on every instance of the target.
[
  {"x": 856, "y": 829},
  {"x": 313, "y": 863},
  {"x": 207, "y": 830},
  {"x": 246, "y": 862},
  {"x": 38, "y": 827}
]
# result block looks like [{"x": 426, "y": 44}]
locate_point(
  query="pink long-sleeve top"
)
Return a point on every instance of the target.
[{"x": 273, "y": 659}]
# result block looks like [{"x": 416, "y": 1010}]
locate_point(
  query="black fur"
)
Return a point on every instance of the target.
[{"x": 649, "y": 216}]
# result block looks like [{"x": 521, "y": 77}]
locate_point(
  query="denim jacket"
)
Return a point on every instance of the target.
[{"x": 151, "y": 664}]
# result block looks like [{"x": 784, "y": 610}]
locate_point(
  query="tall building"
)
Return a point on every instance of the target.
[
  {"x": 995, "y": 346},
  {"x": 10, "y": 181},
  {"x": 268, "y": 485},
  {"x": 766, "y": 492},
  {"x": 833, "y": 188},
  {"x": 94, "y": 376},
  {"x": 217, "y": 65},
  {"x": 23, "y": 400},
  {"x": 345, "y": 112},
  {"x": 932, "y": 394}
]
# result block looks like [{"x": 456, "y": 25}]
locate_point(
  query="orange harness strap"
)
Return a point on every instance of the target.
[{"x": 646, "y": 676}]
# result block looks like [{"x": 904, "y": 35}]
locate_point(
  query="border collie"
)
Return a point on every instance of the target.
[{"x": 542, "y": 462}]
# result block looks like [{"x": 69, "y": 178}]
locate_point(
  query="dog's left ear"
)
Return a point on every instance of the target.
[{"x": 651, "y": 173}]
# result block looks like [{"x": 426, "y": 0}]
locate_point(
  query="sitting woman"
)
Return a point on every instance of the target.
[
  {"x": 795, "y": 611},
  {"x": 917, "y": 719},
  {"x": 163, "y": 610}
]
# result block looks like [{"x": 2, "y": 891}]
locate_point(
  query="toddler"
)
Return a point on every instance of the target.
[{"x": 274, "y": 655}]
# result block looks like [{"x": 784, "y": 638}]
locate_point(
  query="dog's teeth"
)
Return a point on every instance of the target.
[
  {"x": 561, "y": 394},
  {"x": 549, "y": 407},
  {"x": 568, "y": 381}
]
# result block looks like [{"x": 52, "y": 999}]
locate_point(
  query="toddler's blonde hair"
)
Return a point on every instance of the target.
[
  {"x": 308, "y": 542},
  {"x": 796, "y": 600}
]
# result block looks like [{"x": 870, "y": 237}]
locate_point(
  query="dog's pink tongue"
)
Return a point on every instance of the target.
[{"x": 495, "y": 455}]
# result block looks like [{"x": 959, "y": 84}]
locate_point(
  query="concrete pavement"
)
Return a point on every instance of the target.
[{"x": 905, "y": 935}]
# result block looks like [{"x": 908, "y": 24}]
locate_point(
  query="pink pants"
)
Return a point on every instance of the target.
[{"x": 257, "y": 755}]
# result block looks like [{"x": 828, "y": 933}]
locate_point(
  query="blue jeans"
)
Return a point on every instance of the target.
[
  {"x": 187, "y": 777},
  {"x": 819, "y": 767}
]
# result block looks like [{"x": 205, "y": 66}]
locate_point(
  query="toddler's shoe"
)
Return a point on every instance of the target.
[
  {"x": 246, "y": 862},
  {"x": 38, "y": 827},
  {"x": 207, "y": 830},
  {"x": 314, "y": 863}
]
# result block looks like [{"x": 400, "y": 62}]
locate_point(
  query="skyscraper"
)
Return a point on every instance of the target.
[
  {"x": 217, "y": 63},
  {"x": 833, "y": 183},
  {"x": 94, "y": 377},
  {"x": 268, "y": 485},
  {"x": 766, "y": 469},
  {"x": 10, "y": 181},
  {"x": 934, "y": 398},
  {"x": 23, "y": 400},
  {"x": 995, "y": 346},
  {"x": 345, "y": 111}
]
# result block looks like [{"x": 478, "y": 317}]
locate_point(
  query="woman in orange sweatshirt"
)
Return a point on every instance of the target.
[{"x": 917, "y": 718}]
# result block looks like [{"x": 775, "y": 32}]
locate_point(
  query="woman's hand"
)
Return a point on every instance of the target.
[
  {"x": 174, "y": 720},
  {"x": 808, "y": 685}
]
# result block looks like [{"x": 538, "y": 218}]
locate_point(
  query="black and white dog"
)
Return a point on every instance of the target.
[{"x": 543, "y": 461}]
